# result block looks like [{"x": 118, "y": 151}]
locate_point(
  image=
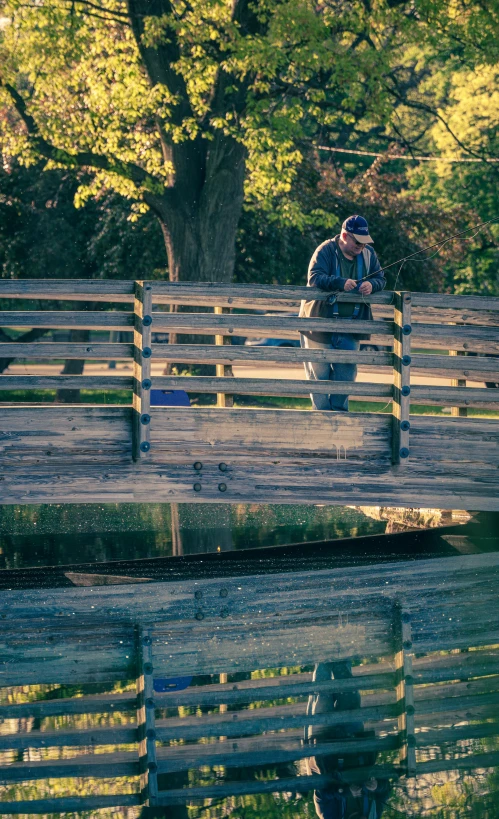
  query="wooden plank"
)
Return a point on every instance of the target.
[
  {"x": 248, "y": 722},
  {"x": 67, "y": 289},
  {"x": 443, "y": 300},
  {"x": 473, "y": 367},
  {"x": 452, "y": 337},
  {"x": 141, "y": 421},
  {"x": 459, "y": 396},
  {"x": 262, "y": 751},
  {"x": 41, "y": 709},
  {"x": 101, "y": 766},
  {"x": 236, "y": 324},
  {"x": 463, "y": 763},
  {"x": 67, "y": 319},
  {"x": 405, "y": 692},
  {"x": 232, "y": 295},
  {"x": 239, "y": 354},
  {"x": 65, "y": 738},
  {"x": 69, "y": 804},
  {"x": 46, "y": 350},
  {"x": 146, "y": 726},
  {"x": 268, "y": 386},
  {"x": 57, "y": 382},
  {"x": 425, "y": 739},
  {"x": 401, "y": 407},
  {"x": 223, "y": 370},
  {"x": 299, "y": 784}
]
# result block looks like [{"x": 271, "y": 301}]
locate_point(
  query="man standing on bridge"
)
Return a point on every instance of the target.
[{"x": 340, "y": 264}]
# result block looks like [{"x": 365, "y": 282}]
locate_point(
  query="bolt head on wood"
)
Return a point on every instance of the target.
[
  {"x": 146, "y": 384},
  {"x": 146, "y": 321},
  {"x": 224, "y": 612},
  {"x": 197, "y": 487},
  {"x": 224, "y": 592},
  {"x": 222, "y": 487},
  {"x": 150, "y": 703},
  {"x": 145, "y": 418},
  {"x": 148, "y": 668},
  {"x": 406, "y": 360},
  {"x": 222, "y": 467},
  {"x": 199, "y": 615},
  {"x": 406, "y": 390},
  {"x": 146, "y": 352},
  {"x": 145, "y": 446},
  {"x": 405, "y": 426},
  {"x": 407, "y": 329},
  {"x": 147, "y": 641},
  {"x": 198, "y": 594},
  {"x": 404, "y": 452},
  {"x": 198, "y": 466}
]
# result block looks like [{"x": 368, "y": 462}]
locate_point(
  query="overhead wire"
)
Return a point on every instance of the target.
[{"x": 407, "y": 158}]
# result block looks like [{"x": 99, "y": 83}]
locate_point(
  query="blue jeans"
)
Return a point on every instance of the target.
[{"x": 330, "y": 372}]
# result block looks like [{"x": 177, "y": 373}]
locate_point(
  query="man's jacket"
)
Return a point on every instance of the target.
[{"x": 324, "y": 273}]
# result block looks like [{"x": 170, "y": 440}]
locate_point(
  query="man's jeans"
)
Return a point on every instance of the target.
[{"x": 330, "y": 372}]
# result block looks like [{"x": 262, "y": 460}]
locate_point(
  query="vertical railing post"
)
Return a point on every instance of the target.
[
  {"x": 223, "y": 370},
  {"x": 146, "y": 721},
  {"x": 459, "y": 412},
  {"x": 141, "y": 429},
  {"x": 405, "y": 690},
  {"x": 401, "y": 377}
]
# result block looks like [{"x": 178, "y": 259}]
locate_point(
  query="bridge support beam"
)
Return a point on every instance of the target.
[
  {"x": 401, "y": 377},
  {"x": 142, "y": 352}
]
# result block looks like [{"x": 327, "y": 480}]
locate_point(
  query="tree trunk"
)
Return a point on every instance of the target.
[{"x": 73, "y": 366}]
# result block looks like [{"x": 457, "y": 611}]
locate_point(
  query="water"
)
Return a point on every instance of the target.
[{"x": 366, "y": 549}]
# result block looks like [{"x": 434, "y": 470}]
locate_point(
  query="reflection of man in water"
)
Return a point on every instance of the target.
[{"x": 339, "y": 800}]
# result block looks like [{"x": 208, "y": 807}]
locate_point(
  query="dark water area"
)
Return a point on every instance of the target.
[
  {"x": 238, "y": 729},
  {"x": 52, "y": 535}
]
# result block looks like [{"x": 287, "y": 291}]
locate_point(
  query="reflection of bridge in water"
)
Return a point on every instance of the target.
[
  {"x": 216, "y": 727},
  {"x": 94, "y": 453}
]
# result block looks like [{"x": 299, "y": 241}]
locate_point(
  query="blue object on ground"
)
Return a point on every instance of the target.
[
  {"x": 170, "y": 398},
  {"x": 173, "y": 684}
]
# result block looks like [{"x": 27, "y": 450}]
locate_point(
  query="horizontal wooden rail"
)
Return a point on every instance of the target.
[
  {"x": 46, "y": 350},
  {"x": 64, "y": 738},
  {"x": 59, "y": 382},
  {"x": 68, "y": 289},
  {"x": 102, "y": 766},
  {"x": 425, "y": 739},
  {"x": 268, "y": 386},
  {"x": 262, "y": 751},
  {"x": 240, "y": 324},
  {"x": 108, "y": 703},
  {"x": 457, "y": 396},
  {"x": 67, "y": 319},
  {"x": 239, "y": 354},
  {"x": 70, "y": 804},
  {"x": 463, "y": 763}
]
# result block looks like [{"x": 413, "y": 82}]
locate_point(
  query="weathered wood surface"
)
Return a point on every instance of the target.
[
  {"x": 210, "y": 354},
  {"x": 243, "y": 324},
  {"x": 263, "y": 621},
  {"x": 267, "y": 386},
  {"x": 46, "y": 350},
  {"x": 67, "y": 319},
  {"x": 103, "y": 766},
  {"x": 460, "y": 396},
  {"x": 70, "y": 804},
  {"x": 401, "y": 379},
  {"x": 58, "y": 382}
]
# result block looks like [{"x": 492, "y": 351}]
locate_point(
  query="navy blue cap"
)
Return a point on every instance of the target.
[{"x": 358, "y": 227}]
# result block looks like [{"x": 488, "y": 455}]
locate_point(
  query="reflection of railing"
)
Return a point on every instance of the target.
[
  {"x": 417, "y": 613},
  {"x": 416, "y": 331}
]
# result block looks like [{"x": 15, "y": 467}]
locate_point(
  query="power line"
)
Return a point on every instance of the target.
[{"x": 403, "y": 156}]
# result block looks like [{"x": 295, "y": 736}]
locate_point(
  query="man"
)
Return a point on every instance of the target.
[{"x": 339, "y": 265}]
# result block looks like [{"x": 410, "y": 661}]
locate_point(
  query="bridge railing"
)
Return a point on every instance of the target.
[{"x": 411, "y": 336}]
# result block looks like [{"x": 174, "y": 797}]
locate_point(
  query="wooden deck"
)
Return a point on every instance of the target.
[
  {"x": 138, "y": 452},
  {"x": 403, "y": 625}
]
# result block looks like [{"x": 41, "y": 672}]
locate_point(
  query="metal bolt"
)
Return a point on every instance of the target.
[
  {"x": 231, "y": 329},
  {"x": 407, "y": 297},
  {"x": 404, "y": 426},
  {"x": 145, "y": 446},
  {"x": 224, "y": 612},
  {"x": 198, "y": 594},
  {"x": 199, "y": 615},
  {"x": 410, "y": 710},
  {"x": 466, "y": 372},
  {"x": 145, "y": 418},
  {"x": 147, "y": 641},
  {"x": 148, "y": 668},
  {"x": 197, "y": 487},
  {"x": 146, "y": 352},
  {"x": 150, "y": 703},
  {"x": 148, "y": 287},
  {"x": 411, "y": 740},
  {"x": 89, "y": 349},
  {"x": 224, "y": 592},
  {"x": 222, "y": 467},
  {"x": 406, "y": 617},
  {"x": 407, "y": 330},
  {"x": 405, "y": 390},
  {"x": 146, "y": 384},
  {"x": 407, "y": 644},
  {"x": 230, "y": 300},
  {"x": 465, "y": 345},
  {"x": 404, "y": 452},
  {"x": 146, "y": 321},
  {"x": 409, "y": 679},
  {"x": 151, "y": 733},
  {"x": 406, "y": 360},
  {"x": 222, "y": 487},
  {"x": 152, "y": 767},
  {"x": 198, "y": 466}
]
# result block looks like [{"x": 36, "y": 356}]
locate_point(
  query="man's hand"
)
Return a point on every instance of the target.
[
  {"x": 356, "y": 790},
  {"x": 366, "y": 288},
  {"x": 349, "y": 285}
]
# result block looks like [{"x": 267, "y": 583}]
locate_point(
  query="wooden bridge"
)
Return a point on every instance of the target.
[
  {"x": 244, "y": 647},
  {"x": 226, "y": 453}
]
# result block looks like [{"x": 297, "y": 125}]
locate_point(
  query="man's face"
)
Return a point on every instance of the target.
[{"x": 351, "y": 246}]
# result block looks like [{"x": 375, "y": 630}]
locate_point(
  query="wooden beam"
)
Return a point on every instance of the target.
[
  {"x": 405, "y": 691},
  {"x": 235, "y": 324},
  {"x": 141, "y": 423},
  {"x": 58, "y": 382},
  {"x": 239, "y": 354},
  {"x": 70, "y": 804},
  {"x": 46, "y": 350},
  {"x": 401, "y": 378},
  {"x": 268, "y": 386},
  {"x": 67, "y": 319},
  {"x": 223, "y": 370},
  {"x": 146, "y": 727}
]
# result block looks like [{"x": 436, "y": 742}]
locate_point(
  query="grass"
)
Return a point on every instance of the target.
[{"x": 107, "y": 397}]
